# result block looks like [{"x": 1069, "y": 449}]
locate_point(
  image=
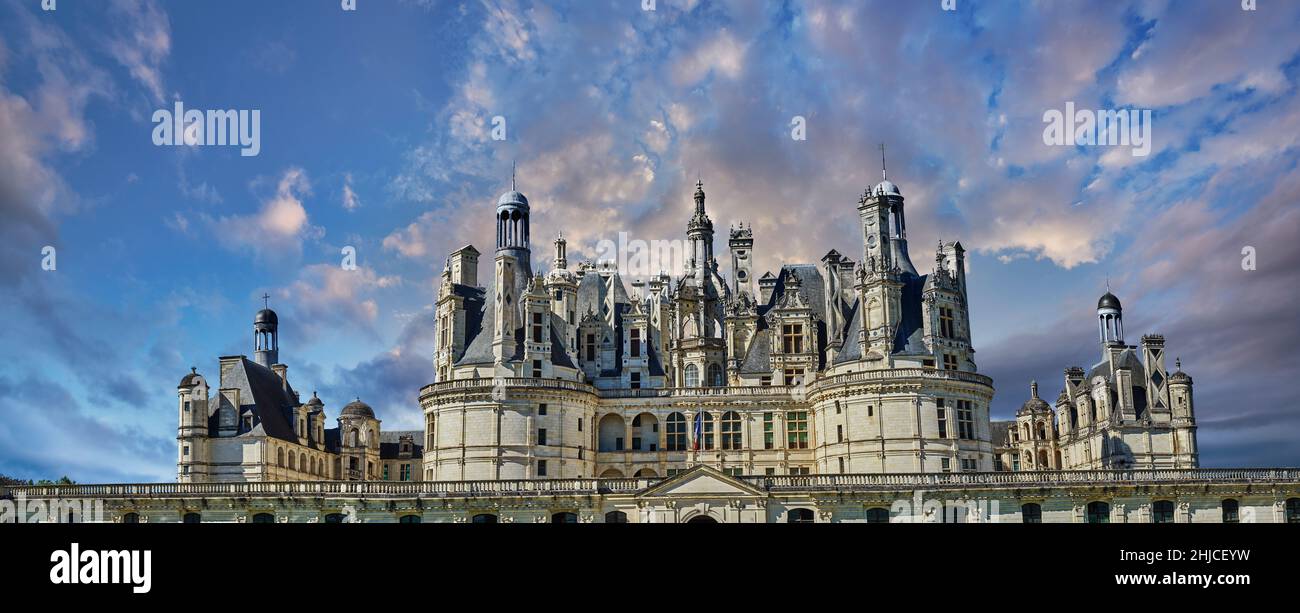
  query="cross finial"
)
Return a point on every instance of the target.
[
  {"x": 266, "y": 301},
  {"x": 883, "y": 177}
]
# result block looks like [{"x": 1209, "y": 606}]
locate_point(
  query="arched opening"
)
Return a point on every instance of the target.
[
  {"x": 612, "y": 430},
  {"x": 334, "y": 518},
  {"x": 701, "y": 519},
  {"x": 616, "y": 517},
  {"x": 612, "y": 473},
  {"x": 564, "y": 517},
  {"x": 191, "y": 518},
  {"x": 279, "y": 457},
  {"x": 1042, "y": 431},
  {"x": 293, "y": 464},
  {"x": 675, "y": 435},
  {"x": 264, "y": 518},
  {"x": 409, "y": 519},
  {"x": 1031, "y": 513},
  {"x": 1230, "y": 508},
  {"x": 1098, "y": 512},
  {"x": 646, "y": 473},
  {"x": 877, "y": 515},
  {"x": 645, "y": 432},
  {"x": 692, "y": 376},
  {"x": 1042, "y": 460},
  {"x": 484, "y": 518},
  {"x": 799, "y": 516},
  {"x": 731, "y": 437},
  {"x": 131, "y": 518}
]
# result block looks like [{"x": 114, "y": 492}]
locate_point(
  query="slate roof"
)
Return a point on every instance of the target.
[
  {"x": 390, "y": 444},
  {"x": 272, "y": 400},
  {"x": 757, "y": 360}
]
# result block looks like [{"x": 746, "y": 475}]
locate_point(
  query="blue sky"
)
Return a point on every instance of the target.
[{"x": 375, "y": 134}]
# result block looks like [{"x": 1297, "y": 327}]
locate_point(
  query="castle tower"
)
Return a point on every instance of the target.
[
  {"x": 192, "y": 433},
  {"x": 266, "y": 337},
  {"x": 742, "y": 247},
  {"x": 1110, "y": 320},
  {"x": 699, "y": 233}
]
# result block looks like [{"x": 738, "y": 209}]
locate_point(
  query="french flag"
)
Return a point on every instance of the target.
[{"x": 698, "y": 431}]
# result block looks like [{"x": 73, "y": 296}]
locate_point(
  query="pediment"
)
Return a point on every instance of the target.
[{"x": 701, "y": 481}]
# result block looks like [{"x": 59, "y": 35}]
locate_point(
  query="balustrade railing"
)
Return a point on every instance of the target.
[{"x": 775, "y": 483}]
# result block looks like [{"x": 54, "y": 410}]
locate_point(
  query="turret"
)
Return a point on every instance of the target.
[
  {"x": 192, "y": 433},
  {"x": 266, "y": 337}
]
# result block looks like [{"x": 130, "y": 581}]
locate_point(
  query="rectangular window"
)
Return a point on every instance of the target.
[
  {"x": 570, "y": 318},
  {"x": 798, "y": 470},
  {"x": 943, "y": 418},
  {"x": 839, "y": 434},
  {"x": 186, "y": 450},
  {"x": 187, "y": 406},
  {"x": 537, "y": 369},
  {"x": 385, "y": 472},
  {"x": 841, "y": 466},
  {"x": 618, "y": 444},
  {"x": 945, "y": 323},
  {"x": 796, "y": 429},
  {"x": 769, "y": 471},
  {"x": 793, "y": 376},
  {"x": 591, "y": 347},
  {"x": 734, "y": 472},
  {"x": 792, "y": 338},
  {"x": 636, "y": 380},
  {"x": 406, "y": 472},
  {"x": 541, "y": 409},
  {"x": 537, "y": 327},
  {"x": 765, "y": 380},
  {"x": 636, "y": 343},
  {"x": 968, "y": 465},
  {"x": 541, "y": 468},
  {"x": 541, "y": 436},
  {"x": 636, "y": 443},
  {"x": 1015, "y": 462},
  {"x": 945, "y": 464},
  {"x": 949, "y": 361},
  {"x": 579, "y": 424},
  {"x": 769, "y": 436},
  {"x": 579, "y": 452},
  {"x": 965, "y": 420},
  {"x": 673, "y": 472}
]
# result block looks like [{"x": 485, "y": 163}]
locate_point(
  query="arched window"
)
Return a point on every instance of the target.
[
  {"x": 564, "y": 518},
  {"x": 1098, "y": 513},
  {"x": 191, "y": 518},
  {"x": 334, "y": 518},
  {"x": 799, "y": 516},
  {"x": 131, "y": 518},
  {"x": 279, "y": 457},
  {"x": 1042, "y": 431},
  {"x": 877, "y": 515},
  {"x": 675, "y": 436},
  {"x": 264, "y": 518},
  {"x": 715, "y": 375},
  {"x": 1042, "y": 460},
  {"x": 616, "y": 517},
  {"x": 484, "y": 518},
  {"x": 1031, "y": 513},
  {"x": 293, "y": 464},
  {"x": 409, "y": 519},
  {"x": 1229, "y": 507},
  {"x": 692, "y": 376},
  {"x": 352, "y": 437},
  {"x": 1162, "y": 512},
  {"x": 731, "y": 438},
  {"x": 1293, "y": 510}
]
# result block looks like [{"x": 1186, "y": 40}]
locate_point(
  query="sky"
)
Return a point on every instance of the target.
[{"x": 376, "y": 133}]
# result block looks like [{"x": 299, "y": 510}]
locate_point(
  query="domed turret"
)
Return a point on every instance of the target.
[
  {"x": 191, "y": 379},
  {"x": 356, "y": 408},
  {"x": 266, "y": 335},
  {"x": 1110, "y": 319},
  {"x": 1034, "y": 404},
  {"x": 1109, "y": 301}
]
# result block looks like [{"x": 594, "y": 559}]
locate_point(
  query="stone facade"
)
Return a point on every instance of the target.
[{"x": 703, "y": 494}]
